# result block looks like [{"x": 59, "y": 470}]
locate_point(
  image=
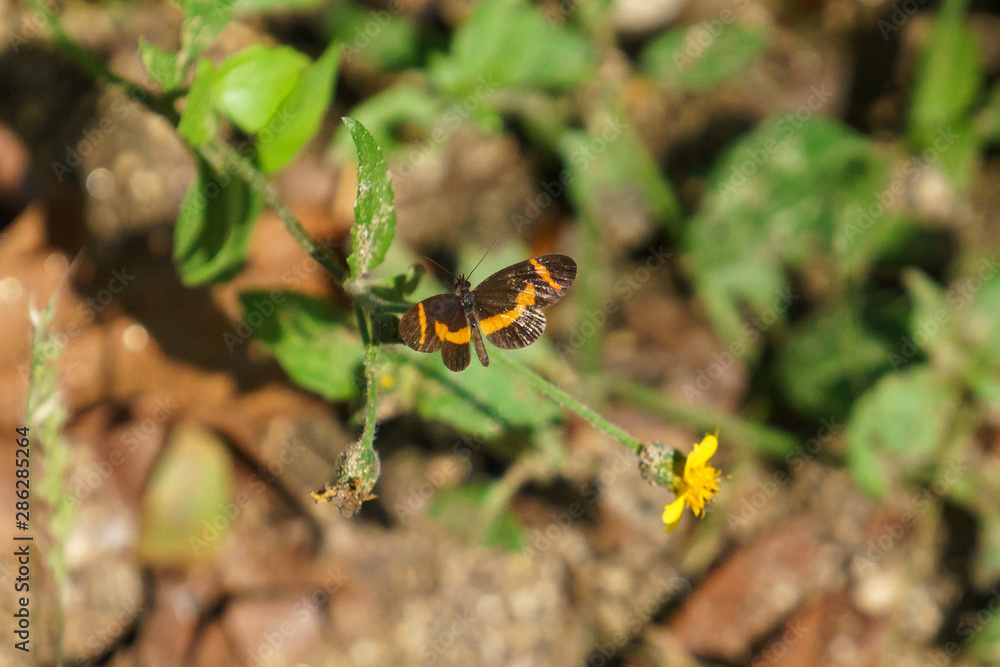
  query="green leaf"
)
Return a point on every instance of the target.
[
  {"x": 383, "y": 113},
  {"x": 897, "y": 426},
  {"x": 213, "y": 227},
  {"x": 791, "y": 195},
  {"x": 949, "y": 79},
  {"x": 960, "y": 327},
  {"x": 982, "y": 630},
  {"x": 277, "y": 5},
  {"x": 309, "y": 339},
  {"x": 198, "y": 122},
  {"x": 481, "y": 400},
  {"x": 980, "y": 288},
  {"x": 988, "y": 119},
  {"x": 301, "y": 113},
  {"x": 460, "y": 509},
  {"x": 379, "y": 38},
  {"x": 829, "y": 359},
  {"x": 986, "y": 561},
  {"x": 702, "y": 55},
  {"x": 160, "y": 65},
  {"x": 202, "y": 23},
  {"x": 610, "y": 165},
  {"x": 374, "y": 213},
  {"x": 187, "y": 498},
  {"x": 510, "y": 43},
  {"x": 252, "y": 84},
  {"x": 931, "y": 316},
  {"x": 400, "y": 286}
]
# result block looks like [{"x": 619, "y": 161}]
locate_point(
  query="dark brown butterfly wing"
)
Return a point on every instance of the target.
[
  {"x": 456, "y": 356},
  {"x": 438, "y": 323},
  {"x": 508, "y": 302}
]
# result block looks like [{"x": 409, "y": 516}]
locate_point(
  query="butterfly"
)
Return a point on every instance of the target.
[{"x": 505, "y": 308}]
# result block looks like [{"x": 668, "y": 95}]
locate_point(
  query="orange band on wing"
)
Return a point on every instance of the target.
[
  {"x": 525, "y": 299},
  {"x": 444, "y": 333},
  {"x": 423, "y": 322},
  {"x": 544, "y": 274}
]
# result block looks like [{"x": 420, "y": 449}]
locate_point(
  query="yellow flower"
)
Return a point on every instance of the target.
[{"x": 698, "y": 484}]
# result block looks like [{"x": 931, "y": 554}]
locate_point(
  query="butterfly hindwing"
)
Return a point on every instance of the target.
[
  {"x": 456, "y": 356},
  {"x": 438, "y": 323},
  {"x": 508, "y": 302}
]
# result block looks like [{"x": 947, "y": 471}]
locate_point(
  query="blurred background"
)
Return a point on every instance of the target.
[{"x": 785, "y": 219}]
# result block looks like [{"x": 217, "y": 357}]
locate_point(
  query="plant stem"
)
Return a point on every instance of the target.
[
  {"x": 764, "y": 438},
  {"x": 218, "y": 153},
  {"x": 556, "y": 394},
  {"x": 371, "y": 397},
  {"x": 222, "y": 156}
]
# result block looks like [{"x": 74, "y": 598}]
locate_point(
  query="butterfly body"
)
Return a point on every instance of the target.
[{"x": 505, "y": 309}]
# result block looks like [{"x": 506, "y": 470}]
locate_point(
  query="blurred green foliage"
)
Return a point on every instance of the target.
[
  {"x": 459, "y": 509},
  {"x": 802, "y": 249},
  {"x": 213, "y": 227},
  {"x": 309, "y": 338},
  {"x": 188, "y": 507},
  {"x": 701, "y": 56}
]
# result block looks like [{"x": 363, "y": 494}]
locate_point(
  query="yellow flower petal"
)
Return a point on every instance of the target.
[
  {"x": 672, "y": 512},
  {"x": 702, "y": 452}
]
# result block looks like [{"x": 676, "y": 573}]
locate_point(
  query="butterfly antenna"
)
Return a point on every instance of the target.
[
  {"x": 439, "y": 266},
  {"x": 483, "y": 257}
]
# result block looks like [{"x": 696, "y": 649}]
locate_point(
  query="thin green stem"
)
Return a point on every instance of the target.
[
  {"x": 98, "y": 68},
  {"x": 764, "y": 438},
  {"x": 46, "y": 416},
  {"x": 556, "y": 394},
  {"x": 222, "y": 156},
  {"x": 371, "y": 377},
  {"x": 218, "y": 153}
]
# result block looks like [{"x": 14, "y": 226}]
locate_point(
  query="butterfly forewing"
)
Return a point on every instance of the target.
[
  {"x": 551, "y": 276},
  {"x": 508, "y": 302}
]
